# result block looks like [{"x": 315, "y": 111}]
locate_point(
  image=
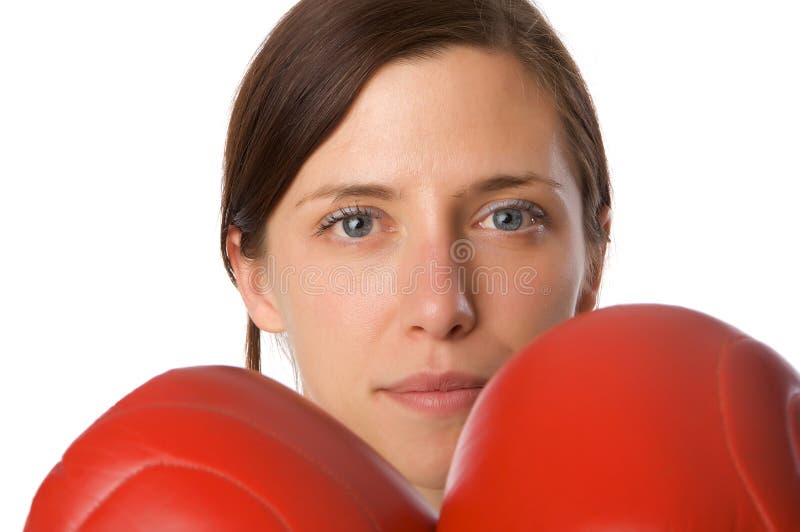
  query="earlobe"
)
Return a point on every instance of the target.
[{"x": 253, "y": 282}]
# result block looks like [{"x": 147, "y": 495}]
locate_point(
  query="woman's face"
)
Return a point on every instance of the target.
[{"x": 396, "y": 288}]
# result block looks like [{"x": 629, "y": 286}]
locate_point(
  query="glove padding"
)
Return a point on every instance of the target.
[
  {"x": 223, "y": 448},
  {"x": 632, "y": 417}
]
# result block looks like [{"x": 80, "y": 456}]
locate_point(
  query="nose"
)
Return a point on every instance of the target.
[{"x": 438, "y": 300}]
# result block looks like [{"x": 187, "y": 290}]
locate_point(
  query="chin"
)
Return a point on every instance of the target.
[{"x": 429, "y": 467}]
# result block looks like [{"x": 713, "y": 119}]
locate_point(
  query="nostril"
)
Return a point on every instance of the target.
[{"x": 455, "y": 330}]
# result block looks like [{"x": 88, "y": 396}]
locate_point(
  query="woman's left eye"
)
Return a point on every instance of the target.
[{"x": 515, "y": 214}]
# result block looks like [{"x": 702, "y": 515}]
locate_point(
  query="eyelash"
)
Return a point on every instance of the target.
[{"x": 353, "y": 210}]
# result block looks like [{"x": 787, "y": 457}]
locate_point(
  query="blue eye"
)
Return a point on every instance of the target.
[
  {"x": 511, "y": 215},
  {"x": 357, "y": 221}
]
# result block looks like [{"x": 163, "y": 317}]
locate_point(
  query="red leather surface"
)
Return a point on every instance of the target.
[
  {"x": 632, "y": 418},
  {"x": 223, "y": 448}
]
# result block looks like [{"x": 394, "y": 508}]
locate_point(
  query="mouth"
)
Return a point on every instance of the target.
[
  {"x": 435, "y": 402},
  {"x": 437, "y": 382},
  {"x": 440, "y": 394}
]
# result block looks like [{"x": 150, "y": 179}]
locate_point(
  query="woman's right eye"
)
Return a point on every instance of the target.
[{"x": 356, "y": 221}]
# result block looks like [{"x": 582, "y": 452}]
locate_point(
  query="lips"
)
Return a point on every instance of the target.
[
  {"x": 437, "y": 382},
  {"x": 437, "y": 394}
]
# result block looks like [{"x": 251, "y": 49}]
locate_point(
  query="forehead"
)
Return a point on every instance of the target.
[{"x": 441, "y": 123}]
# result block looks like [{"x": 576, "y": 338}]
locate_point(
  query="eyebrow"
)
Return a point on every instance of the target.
[{"x": 380, "y": 191}]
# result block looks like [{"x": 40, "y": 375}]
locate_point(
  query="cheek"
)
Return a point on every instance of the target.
[
  {"x": 338, "y": 304},
  {"x": 542, "y": 292},
  {"x": 333, "y": 327}
]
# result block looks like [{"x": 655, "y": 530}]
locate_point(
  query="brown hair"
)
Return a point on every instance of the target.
[{"x": 311, "y": 67}]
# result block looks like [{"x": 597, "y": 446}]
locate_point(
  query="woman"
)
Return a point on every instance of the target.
[{"x": 413, "y": 191}]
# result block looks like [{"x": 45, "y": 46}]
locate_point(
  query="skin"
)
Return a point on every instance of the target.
[{"x": 427, "y": 129}]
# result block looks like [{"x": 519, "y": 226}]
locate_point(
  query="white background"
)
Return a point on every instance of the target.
[{"x": 112, "y": 126}]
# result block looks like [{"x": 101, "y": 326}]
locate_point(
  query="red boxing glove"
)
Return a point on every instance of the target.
[
  {"x": 632, "y": 417},
  {"x": 223, "y": 448}
]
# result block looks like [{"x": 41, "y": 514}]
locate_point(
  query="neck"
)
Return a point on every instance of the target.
[{"x": 432, "y": 496}]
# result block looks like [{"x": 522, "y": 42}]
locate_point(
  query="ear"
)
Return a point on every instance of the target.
[
  {"x": 255, "y": 282},
  {"x": 587, "y": 301}
]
